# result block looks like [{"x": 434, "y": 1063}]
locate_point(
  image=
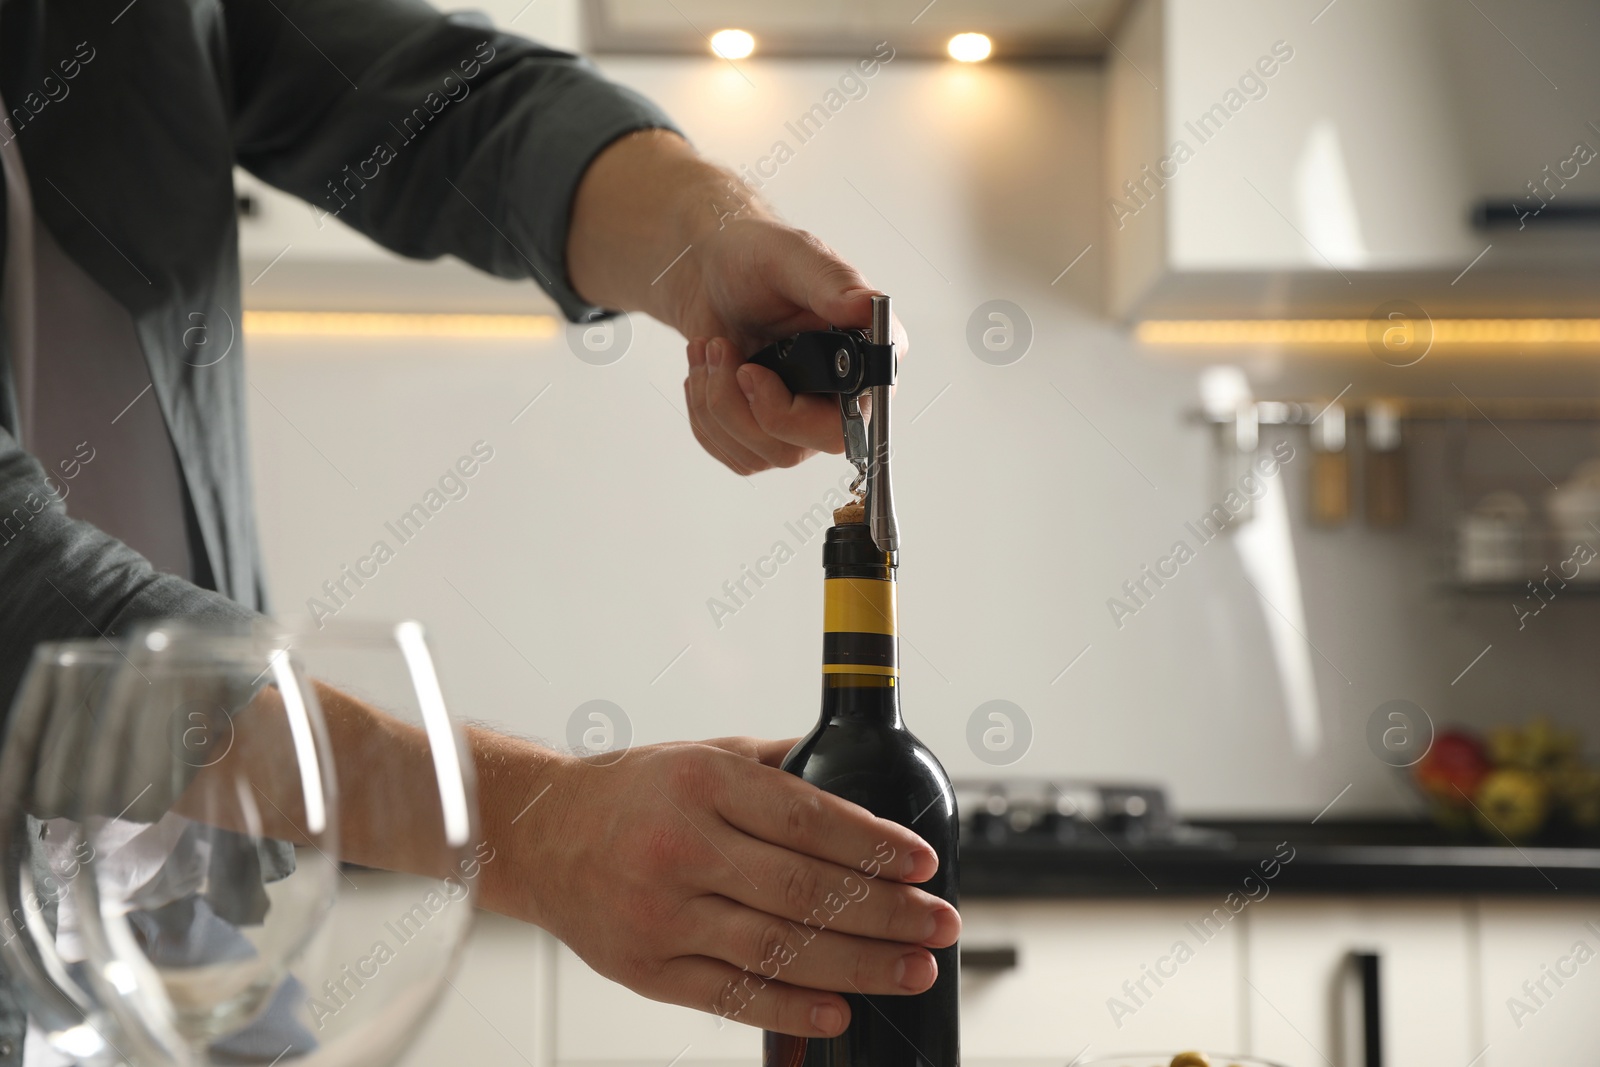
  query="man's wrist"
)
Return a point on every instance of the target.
[
  {"x": 714, "y": 198},
  {"x": 520, "y": 789},
  {"x": 646, "y": 205}
]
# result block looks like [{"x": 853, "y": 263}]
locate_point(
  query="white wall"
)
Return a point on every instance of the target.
[{"x": 595, "y": 538}]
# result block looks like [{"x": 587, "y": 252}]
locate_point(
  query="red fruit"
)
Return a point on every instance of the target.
[{"x": 1453, "y": 768}]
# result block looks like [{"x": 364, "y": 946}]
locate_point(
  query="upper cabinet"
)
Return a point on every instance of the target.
[{"x": 1305, "y": 160}]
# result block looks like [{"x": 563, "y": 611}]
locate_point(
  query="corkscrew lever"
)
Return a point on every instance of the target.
[{"x": 849, "y": 363}]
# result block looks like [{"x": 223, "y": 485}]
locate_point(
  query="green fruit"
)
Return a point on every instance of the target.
[
  {"x": 1577, "y": 786},
  {"x": 1505, "y": 746},
  {"x": 1513, "y": 802}
]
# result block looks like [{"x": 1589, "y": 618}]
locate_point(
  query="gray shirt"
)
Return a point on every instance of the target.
[
  {"x": 130, "y": 119},
  {"x": 487, "y": 136},
  {"x": 83, "y": 390}
]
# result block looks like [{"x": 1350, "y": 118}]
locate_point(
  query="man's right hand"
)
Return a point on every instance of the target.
[{"x": 702, "y": 875}]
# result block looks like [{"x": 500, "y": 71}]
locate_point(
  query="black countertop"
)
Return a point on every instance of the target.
[{"x": 1355, "y": 857}]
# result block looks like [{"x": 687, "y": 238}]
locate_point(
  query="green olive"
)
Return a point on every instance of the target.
[{"x": 1190, "y": 1059}]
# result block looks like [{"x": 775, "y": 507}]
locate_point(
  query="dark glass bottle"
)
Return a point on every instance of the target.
[{"x": 861, "y": 750}]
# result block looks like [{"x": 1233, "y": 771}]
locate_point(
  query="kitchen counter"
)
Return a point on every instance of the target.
[{"x": 1216, "y": 856}]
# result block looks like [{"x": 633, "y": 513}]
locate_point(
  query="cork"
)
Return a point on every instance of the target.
[{"x": 849, "y": 513}]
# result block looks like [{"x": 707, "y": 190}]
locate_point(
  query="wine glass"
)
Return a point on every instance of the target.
[
  {"x": 42, "y": 846},
  {"x": 209, "y": 821},
  {"x": 403, "y": 850}
]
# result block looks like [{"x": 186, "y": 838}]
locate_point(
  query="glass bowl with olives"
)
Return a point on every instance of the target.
[{"x": 1189, "y": 1058}]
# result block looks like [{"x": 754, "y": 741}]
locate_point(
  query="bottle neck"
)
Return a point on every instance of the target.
[
  {"x": 860, "y": 646},
  {"x": 866, "y": 698}
]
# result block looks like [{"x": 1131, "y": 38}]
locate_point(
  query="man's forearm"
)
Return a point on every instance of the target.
[
  {"x": 390, "y": 812},
  {"x": 643, "y": 204},
  {"x": 391, "y": 815}
]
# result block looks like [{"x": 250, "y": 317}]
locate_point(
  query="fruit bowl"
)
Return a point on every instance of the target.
[{"x": 1523, "y": 783}]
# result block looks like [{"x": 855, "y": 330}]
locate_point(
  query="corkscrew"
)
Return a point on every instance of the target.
[{"x": 851, "y": 363}]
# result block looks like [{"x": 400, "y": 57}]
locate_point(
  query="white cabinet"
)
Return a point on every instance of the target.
[
  {"x": 1298, "y": 962},
  {"x": 1540, "y": 965},
  {"x": 1265, "y": 159},
  {"x": 1068, "y": 990},
  {"x": 601, "y": 1021},
  {"x": 1074, "y": 957},
  {"x": 495, "y": 1011},
  {"x": 1268, "y": 982}
]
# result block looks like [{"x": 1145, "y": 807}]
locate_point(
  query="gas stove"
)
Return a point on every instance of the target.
[
  {"x": 1045, "y": 837},
  {"x": 1032, "y": 812}
]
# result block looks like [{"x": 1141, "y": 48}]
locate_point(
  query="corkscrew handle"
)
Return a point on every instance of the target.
[{"x": 841, "y": 361}]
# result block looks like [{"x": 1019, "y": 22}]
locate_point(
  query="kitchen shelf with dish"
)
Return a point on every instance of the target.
[{"x": 1501, "y": 541}]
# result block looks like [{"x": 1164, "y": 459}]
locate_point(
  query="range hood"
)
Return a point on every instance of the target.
[{"x": 1326, "y": 159}]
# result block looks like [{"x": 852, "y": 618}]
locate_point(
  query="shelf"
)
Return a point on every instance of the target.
[
  {"x": 1391, "y": 857},
  {"x": 1517, "y": 588}
]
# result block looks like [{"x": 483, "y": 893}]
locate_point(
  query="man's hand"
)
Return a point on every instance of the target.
[
  {"x": 701, "y": 875},
  {"x": 757, "y": 280},
  {"x": 656, "y": 228}
]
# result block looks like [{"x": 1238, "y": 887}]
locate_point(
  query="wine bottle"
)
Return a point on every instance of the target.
[{"x": 861, "y": 750}]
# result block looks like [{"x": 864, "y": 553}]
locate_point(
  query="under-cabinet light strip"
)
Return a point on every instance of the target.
[
  {"x": 1552, "y": 332},
  {"x": 396, "y": 324}
]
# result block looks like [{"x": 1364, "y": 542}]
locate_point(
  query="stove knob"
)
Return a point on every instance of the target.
[
  {"x": 989, "y": 822},
  {"x": 1064, "y": 828}
]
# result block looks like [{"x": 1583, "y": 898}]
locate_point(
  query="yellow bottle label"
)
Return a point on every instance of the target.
[
  {"x": 858, "y": 624},
  {"x": 858, "y": 605}
]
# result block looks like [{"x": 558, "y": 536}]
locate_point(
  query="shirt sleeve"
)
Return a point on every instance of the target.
[
  {"x": 432, "y": 134},
  {"x": 66, "y": 579}
]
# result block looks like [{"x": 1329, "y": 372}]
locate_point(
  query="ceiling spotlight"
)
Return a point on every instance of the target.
[
  {"x": 732, "y": 44},
  {"x": 970, "y": 47}
]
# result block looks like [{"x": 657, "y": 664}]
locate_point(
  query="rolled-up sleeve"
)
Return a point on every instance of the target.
[
  {"x": 432, "y": 134},
  {"x": 61, "y": 578}
]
